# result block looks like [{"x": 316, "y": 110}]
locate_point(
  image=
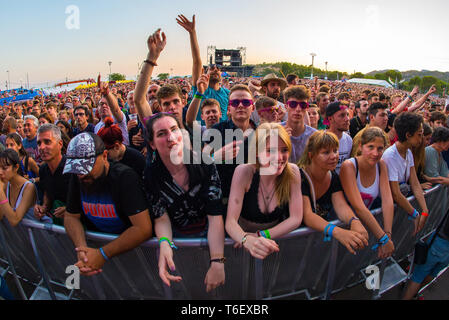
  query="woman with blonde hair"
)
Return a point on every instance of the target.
[
  {"x": 323, "y": 194},
  {"x": 364, "y": 179},
  {"x": 263, "y": 202}
]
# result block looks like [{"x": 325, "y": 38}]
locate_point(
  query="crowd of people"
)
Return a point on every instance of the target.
[{"x": 206, "y": 156}]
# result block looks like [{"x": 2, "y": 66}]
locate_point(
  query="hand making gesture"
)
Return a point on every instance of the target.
[
  {"x": 186, "y": 24},
  {"x": 156, "y": 44}
]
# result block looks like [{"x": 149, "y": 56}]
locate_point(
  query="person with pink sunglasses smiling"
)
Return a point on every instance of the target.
[{"x": 296, "y": 100}]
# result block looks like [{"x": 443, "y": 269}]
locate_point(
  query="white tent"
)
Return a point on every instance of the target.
[{"x": 375, "y": 82}]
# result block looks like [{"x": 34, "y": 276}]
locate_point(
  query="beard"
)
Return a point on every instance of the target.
[{"x": 91, "y": 186}]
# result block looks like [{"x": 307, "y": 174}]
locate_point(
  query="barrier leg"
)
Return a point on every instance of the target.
[
  {"x": 11, "y": 265},
  {"x": 41, "y": 266},
  {"x": 258, "y": 273},
  {"x": 331, "y": 271}
]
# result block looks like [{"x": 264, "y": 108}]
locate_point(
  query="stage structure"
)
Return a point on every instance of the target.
[{"x": 230, "y": 61}]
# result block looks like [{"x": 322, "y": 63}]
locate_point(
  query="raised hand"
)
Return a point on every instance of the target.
[
  {"x": 202, "y": 83},
  {"x": 186, "y": 24},
  {"x": 103, "y": 86},
  {"x": 156, "y": 44},
  {"x": 432, "y": 89},
  {"x": 414, "y": 91}
]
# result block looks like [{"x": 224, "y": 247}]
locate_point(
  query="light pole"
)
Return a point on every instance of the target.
[
  {"x": 9, "y": 81},
  {"x": 326, "y": 71},
  {"x": 313, "y": 57},
  {"x": 110, "y": 72}
]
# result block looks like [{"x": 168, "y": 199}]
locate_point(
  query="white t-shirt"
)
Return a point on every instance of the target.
[
  {"x": 122, "y": 125},
  {"x": 344, "y": 150},
  {"x": 398, "y": 167}
]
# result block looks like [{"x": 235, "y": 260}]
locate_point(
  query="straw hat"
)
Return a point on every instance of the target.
[{"x": 273, "y": 77}]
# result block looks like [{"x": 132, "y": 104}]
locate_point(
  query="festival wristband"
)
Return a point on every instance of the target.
[
  {"x": 198, "y": 95},
  {"x": 151, "y": 63},
  {"x": 382, "y": 241},
  {"x": 172, "y": 245},
  {"x": 413, "y": 215},
  {"x": 103, "y": 254},
  {"x": 328, "y": 232},
  {"x": 410, "y": 97},
  {"x": 424, "y": 214},
  {"x": 264, "y": 233},
  {"x": 4, "y": 201}
]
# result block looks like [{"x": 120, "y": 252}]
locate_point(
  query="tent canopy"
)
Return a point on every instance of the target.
[{"x": 375, "y": 82}]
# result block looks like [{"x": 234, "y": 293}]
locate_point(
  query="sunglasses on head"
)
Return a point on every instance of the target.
[
  {"x": 245, "y": 102},
  {"x": 270, "y": 109},
  {"x": 294, "y": 104}
]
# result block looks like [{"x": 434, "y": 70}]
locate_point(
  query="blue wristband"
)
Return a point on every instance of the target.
[
  {"x": 328, "y": 232},
  {"x": 172, "y": 245},
  {"x": 414, "y": 215},
  {"x": 103, "y": 254},
  {"x": 382, "y": 241}
]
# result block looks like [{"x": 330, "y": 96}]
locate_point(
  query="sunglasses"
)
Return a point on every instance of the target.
[
  {"x": 245, "y": 102},
  {"x": 294, "y": 104},
  {"x": 270, "y": 109}
]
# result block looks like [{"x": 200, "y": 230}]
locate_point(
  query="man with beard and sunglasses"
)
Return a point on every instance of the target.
[
  {"x": 215, "y": 90},
  {"x": 296, "y": 101},
  {"x": 107, "y": 197}
]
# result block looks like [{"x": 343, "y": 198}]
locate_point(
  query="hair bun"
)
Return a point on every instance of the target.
[{"x": 108, "y": 122}]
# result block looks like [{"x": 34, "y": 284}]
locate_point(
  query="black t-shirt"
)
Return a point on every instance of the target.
[
  {"x": 90, "y": 128},
  {"x": 115, "y": 197},
  {"x": 187, "y": 210},
  {"x": 56, "y": 185},
  {"x": 134, "y": 159},
  {"x": 355, "y": 125},
  {"x": 324, "y": 203},
  {"x": 226, "y": 171}
]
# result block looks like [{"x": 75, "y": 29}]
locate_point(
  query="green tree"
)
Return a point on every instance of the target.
[
  {"x": 393, "y": 75},
  {"x": 116, "y": 77},
  {"x": 415, "y": 81},
  {"x": 357, "y": 75},
  {"x": 163, "y": 76},
  {"x": 427, "y": 82}
]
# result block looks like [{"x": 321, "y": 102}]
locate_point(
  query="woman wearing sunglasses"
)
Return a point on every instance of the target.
[
  {"x": 364, "y": 179},
  {"x": 323, "y": 198},
  {"x": 296, "y": 98},
  {"x": 264, "y": 202}
]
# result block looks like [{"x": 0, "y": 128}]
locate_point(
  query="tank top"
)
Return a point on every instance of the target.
[
  {"x": 251, "y": 210},
  {"x": 24, "y": 168},
  {"x": 372, "y": 192},
  {"x": 30, "y": 212}
]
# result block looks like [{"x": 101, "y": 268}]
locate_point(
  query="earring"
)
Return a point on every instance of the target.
[{"x": 153, "y": 159}]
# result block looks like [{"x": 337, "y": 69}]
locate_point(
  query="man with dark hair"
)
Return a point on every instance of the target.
[
  {"x": 81, "y": 114},
  {"x": 437, "y": 119},
  {"x": 109, "y": 197},
  {"x": 373, "y": 98},
  {"x": 401, "y": 167},
  {"x": 292, "y": 79},
  {"x": 322, "y": 100},
  {"x": 359, "y": 122}
]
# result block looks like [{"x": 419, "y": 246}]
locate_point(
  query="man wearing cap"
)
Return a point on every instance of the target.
[
  {"x": 108, "y": 197},
  {"x": 215, "y": 90},
  {"x": 337, "y": 116},
  {"x": 271, "y": 86}
]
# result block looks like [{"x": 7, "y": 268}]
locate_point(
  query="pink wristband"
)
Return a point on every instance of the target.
[{"x": 4, "y": 201}]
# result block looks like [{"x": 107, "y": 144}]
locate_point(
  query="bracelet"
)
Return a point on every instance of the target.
[
  {"x": 172, "y": 245},
  {"x": 264, "y": 233},
  {"x": 410, "y": 97},
  {"x": 424, "y": 214},
  {"x": 151, "y": 63},
  {"x": 220, "y": 260},
  {"x": 244, "y": 239},
  {"x": 198, "y": 95},
  {"x": 413, "y": 215},
  {"x": 103, "y": 254},
  {"x": 328, "y": 232},
  {"x": 4, "y": 201},
  {"x": 352, "y": 219},
  {"x": 382, "y": 241}
]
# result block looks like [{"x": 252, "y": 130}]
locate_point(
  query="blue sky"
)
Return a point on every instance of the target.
[{"x": 351, "y": 35}]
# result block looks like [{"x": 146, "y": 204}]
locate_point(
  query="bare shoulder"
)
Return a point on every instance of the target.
[{"x": 295, "y": 170}]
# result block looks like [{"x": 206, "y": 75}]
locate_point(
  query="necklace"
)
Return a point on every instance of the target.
[{"x": 266, "y": 199}]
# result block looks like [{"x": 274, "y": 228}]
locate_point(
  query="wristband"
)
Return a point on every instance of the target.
[
  {"x": 424, "y": 214},
  {"x": 413, "y": 215},
  {"x": 352, "y": 219},
  {"x": 328, "y": 232},
  {"x": 198, "y": 95},
  {"x": 244, "y": 239},
  {"x": 172, "y": 245},
  {"x": 103, "y": 254},
  {"x": 220, "y": 260},
  {"x": 4, "y": 201},
  {"x": 264, "y": 233},
  {"x": 410, "y": 97},
  {"x": 382, "y": 241},
  {"x": 151, "y": 63}
]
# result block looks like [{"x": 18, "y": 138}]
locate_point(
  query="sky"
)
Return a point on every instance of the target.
[{"x": 49, "y": 41}]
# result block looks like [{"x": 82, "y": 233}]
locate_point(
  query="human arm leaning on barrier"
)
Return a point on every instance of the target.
[
  {"x": 27, "y": 202},
  {"x": 387, "y": 210},
  {"x": 350, "y": 239},
  {"x": 215, "y": 236},
  {"x": 419, "y": 195},
  {"x": 349, "y": 183},
  {"x": 417, "y": 105},
  {"x": 258, "y": 247},
  {"x": 163, "y": 230},
  {"x": 155, "y": 46}
]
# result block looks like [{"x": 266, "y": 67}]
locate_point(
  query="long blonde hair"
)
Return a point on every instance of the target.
[
  {"x": 318, "y": 140},
  {"x": 258, "y": 143}
]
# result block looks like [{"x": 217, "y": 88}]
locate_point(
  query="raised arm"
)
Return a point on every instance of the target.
[
  {"x": 405, "y": 102},
  {"x": 417, "y": 105},
  {"x": 189, "y": 26},
  {"x": 112, "y": 100},
  {"x": 194, "y": 106},
  {"x": 155, "y": 46}
]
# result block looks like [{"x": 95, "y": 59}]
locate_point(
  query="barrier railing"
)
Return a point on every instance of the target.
[{"x": 306, "y": 266}]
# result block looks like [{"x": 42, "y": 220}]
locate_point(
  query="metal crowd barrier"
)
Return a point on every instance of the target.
[{"x": 306, "y": 267}]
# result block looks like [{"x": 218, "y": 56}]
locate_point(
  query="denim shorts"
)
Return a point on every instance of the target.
[{"x": 437, "y": 260}]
